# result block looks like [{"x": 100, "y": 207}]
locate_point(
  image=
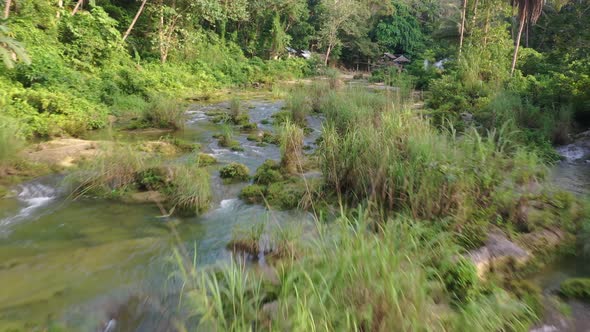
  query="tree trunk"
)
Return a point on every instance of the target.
[
  {"x": 517, "y": 46},
  {"x": 463, "y": 15},
  {"x": 78, "y": 5},
  {"x": 134, "y": 19},
  {"x": 327, "y": 55},
  {"x": 7, "y": 9},
  {"x": 60, "y": 4}
]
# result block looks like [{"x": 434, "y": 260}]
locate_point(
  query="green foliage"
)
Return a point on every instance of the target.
[
  {"x": 578, "y": 288},
  {"x": 164, "y": 112},
  {"x": 291, "y": 148},
  {"x": 11, "y": 140},
  {"x": 190, "y": 189},
  {"x": 235, "y": 172},
  {"x": 268, "y": 172},
  {"x": 348, "y": 279}
]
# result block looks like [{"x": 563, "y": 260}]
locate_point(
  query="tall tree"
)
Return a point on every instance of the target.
[
  {"x": 7, "y": 9},
  {"x": 528, "y": 11},
  {"x": 462, "y": 27},
  {"x": 78, "y": 6},
  {"x": 134, "y": 19}
]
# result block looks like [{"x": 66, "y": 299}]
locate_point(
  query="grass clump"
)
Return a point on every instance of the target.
[
  {"x": 203, "y": 159},
  {"x": 226, "y": 140},
  {"x": 162, "y": 112},
  {"x": 577, "y": 288},
  {"x": 300, "y": 107},
  {"x": 269, "y": 172},
  {"x": 372, "y": 150},
  {"x": 112, "y": 173},
  {"x": 350, "y": 279},
  {"x": 238, "y": 114},
  {"x": 253, "y": 194},
  {"x": 189, "y": 191},
  {"x": 11, "y": 143},
  {"x": 235, "y": 172},
  {"x": 291, "y": 148}
]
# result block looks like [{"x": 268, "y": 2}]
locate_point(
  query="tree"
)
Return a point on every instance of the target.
[
  {"x": 462, "y": 29},
  {"x": 10, "y": 49},
  {"x": 339, "y": 16},
  {"x": 134, "y": 20},
  {"x": 7, "y": 9},
  {"x": 528, "y": 11}
]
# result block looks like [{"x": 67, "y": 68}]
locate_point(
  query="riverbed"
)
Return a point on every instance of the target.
[{"x": 81, "y": 263}]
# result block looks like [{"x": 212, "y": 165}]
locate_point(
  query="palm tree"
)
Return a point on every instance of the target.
[
  {"x": 10, "y": 49},
  {"x": 529, "y": 11}
]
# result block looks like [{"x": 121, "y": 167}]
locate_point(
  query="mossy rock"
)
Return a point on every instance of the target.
[
  {"x": 250, "y": 126},
  {"x": 270, "y": 138},
  {"x": 204, "y": 159},
  {"x": 242, "y": 120},
  {"x": 285, "y": 195},
  {"x": 281, "y": 117},
  {"x": 232, "y": 144},
  {"x": 255, "y": 137},
  {"x": 577, "y": 288},
  {"x": 253, "y": 194},
  {"x": 235, "y": 172},
  {"x": 265, "y": 121},
  {"x": 268, "y": 172},
  {"x": 153, "y": 178}
]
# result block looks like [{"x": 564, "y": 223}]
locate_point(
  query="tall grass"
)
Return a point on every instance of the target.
[
  {"x": 190, "y": 190},
  {"x": 291, "y": 148},
  {"x": 113, "y": 171},
  {"x": 351, "y": 279},
  {"x": 164, "y": 112},
  {"x": 373, "y": 150},
  {"x": 11, "y": 141},
  {"x": 300, "y": 106}
]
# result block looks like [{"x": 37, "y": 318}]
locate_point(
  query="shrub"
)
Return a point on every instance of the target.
[
  {"x": 204, "y": 159},
  {"x": 578, "y": 288},
  {"x": 268, "y": 172},
  {"x": 164, "y": 112},
  {"x": 291, "y": 148},
  {"x": 112, "y": 172},
  {"x": 235, "y": 172},
  {"x": 190, "y": 190},
  {"x": 11, "y": 141},
  {"x": 253, "y": 193}
]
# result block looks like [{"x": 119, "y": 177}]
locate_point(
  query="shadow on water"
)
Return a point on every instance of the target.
[{"x": 92, "y": 264}]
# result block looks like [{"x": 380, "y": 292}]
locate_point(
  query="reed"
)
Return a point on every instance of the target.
[{"x": 291, "y": 148}]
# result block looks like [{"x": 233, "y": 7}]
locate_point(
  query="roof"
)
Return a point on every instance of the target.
[{"x": 401, "y": 58}]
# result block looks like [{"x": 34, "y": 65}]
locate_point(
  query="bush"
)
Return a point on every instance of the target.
[
  {"x": 578, "y": 288},
  {"x": 190, "y": 190},
  {"x": 235, "y": 172},
  {"x": 164, "y": 112},
  {"x": 11, "y": 141},
  {"x": 253, "y": 193},
  {"x": 268, "y": 172},
  {"x": 291, "y": 148}
]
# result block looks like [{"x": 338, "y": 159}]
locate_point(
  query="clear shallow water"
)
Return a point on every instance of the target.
[{"x": 82, "y": 263}]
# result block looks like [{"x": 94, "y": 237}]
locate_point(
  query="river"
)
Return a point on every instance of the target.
[{"x": 81, "y": 263}]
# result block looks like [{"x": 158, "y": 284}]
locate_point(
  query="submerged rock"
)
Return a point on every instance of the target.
[{"x": 63, "y": 152}]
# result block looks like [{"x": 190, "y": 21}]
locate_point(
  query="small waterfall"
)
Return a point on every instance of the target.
[{"x": 32, "y": 196}]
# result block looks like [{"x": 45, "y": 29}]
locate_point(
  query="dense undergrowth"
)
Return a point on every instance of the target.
[{"x": 81, "y": 73}]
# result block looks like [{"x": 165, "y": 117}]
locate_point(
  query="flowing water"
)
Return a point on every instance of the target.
[{"x": 95, "y": 264}]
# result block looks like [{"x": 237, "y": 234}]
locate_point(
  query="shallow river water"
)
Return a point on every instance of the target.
[{"x": 81, "y": 263}]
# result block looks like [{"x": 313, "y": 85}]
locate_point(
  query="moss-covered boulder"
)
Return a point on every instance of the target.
[
  {"x": 204, "y": 159},
  {"x": 578, "y": 288},
  {"x": 253, "y": 194},
  {"x": 235, "y": 172},
  {"x": 268, "y": 172}
]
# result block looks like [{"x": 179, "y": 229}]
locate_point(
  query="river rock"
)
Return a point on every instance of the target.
[{"x": 496, "y": 250}]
